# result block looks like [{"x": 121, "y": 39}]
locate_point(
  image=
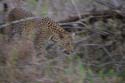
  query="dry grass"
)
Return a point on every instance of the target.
[
  {"x": 98, "y": 56},
  {"x": 18, "y": 66}
]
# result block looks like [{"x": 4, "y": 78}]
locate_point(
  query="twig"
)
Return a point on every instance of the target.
[
  {"x": 76, "y": 8},
  {"x": 17, "y": 21}
]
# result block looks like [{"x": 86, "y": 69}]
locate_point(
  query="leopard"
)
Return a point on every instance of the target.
[{"x": 39, "y": 30}]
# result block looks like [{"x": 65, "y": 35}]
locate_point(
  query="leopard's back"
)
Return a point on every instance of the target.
[{"x": 17, "y": 14}]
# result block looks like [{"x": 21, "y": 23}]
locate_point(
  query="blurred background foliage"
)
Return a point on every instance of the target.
[{"x": 99, "y": 55}]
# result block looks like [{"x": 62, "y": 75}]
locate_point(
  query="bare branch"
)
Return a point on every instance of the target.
[
  {"x": 76, "y": 8},
  {"x": 17, "y": 21}
]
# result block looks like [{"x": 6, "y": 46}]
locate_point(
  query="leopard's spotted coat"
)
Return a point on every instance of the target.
[{"x": 38, "y": 29}]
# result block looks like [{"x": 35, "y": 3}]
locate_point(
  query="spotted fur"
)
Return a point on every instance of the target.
[{"x": 39, "y": 30}]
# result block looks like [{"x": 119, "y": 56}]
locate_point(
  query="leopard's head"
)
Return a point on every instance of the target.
[{"x": 66, "y": 42}]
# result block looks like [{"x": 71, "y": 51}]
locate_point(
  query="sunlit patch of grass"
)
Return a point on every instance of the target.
[
  {"x": 31, "y": 3},
  {"x": 14, "y": 56},
  {"x": 42, "y": 10}
]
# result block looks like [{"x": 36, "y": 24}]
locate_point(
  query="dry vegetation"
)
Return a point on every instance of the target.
[{"x": 99, "y": 55}]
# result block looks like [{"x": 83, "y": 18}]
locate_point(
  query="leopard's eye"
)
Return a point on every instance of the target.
[
  {"x": 61, "y": 36},
  {"x": 67, "y": 43}
]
